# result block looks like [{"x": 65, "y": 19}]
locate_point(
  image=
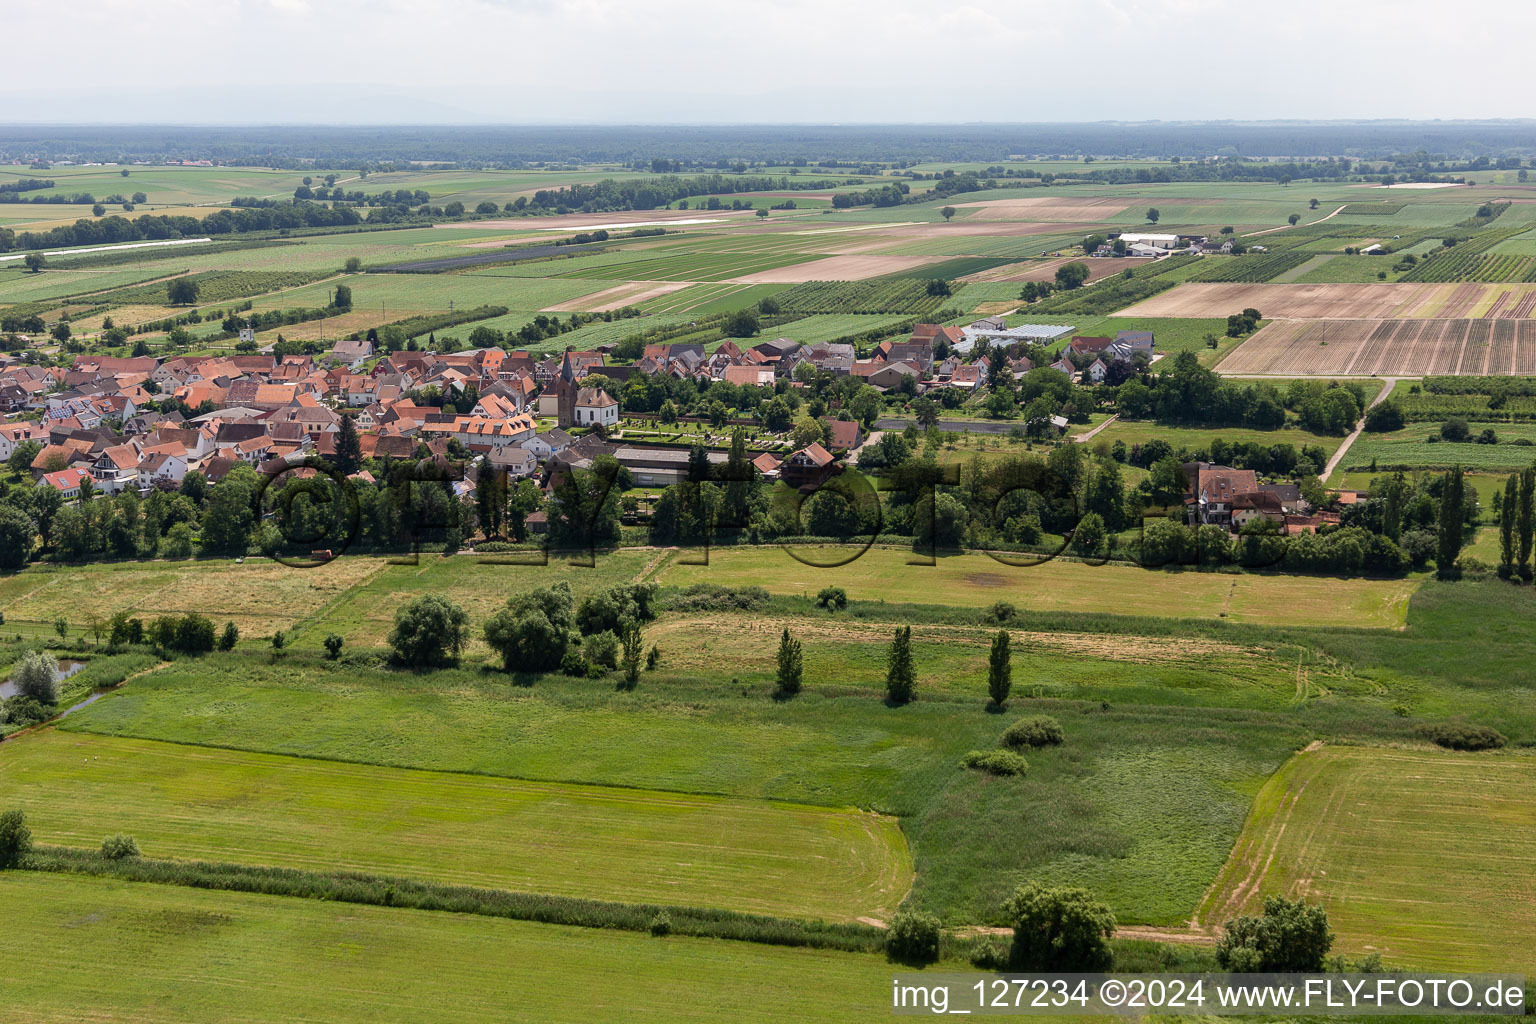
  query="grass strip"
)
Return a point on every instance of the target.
[{"x": 387, "y": 891}]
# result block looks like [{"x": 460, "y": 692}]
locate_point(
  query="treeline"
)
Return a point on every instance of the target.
[
  {"x": 1187, "y": 392},
  {"x": 150, "y": 227},
  {"x": 24, "y": 185},
  {"x": 649, "y": 193}
]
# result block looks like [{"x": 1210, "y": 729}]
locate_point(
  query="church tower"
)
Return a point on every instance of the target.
[{"x": 564, "y": 387}]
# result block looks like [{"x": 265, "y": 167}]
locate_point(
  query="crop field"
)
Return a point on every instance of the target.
[
  {"x": 280, "y": 960},
  {"x": 827, "y": 327},
  {"x": 1134, "y": 432},
  {"x": 629, "y": 845},
  {"x": 1411, "y": 447},
  {"x": 1045, "y": 270},
  {"x": 973, "y": 580},
  {"x": 1426, "y": 857},
  {"x": 259, "y": 596},
  {"x": 1340, "y": 301},
  {"x": 1388, "y": 347},
  {"x": 403, "y": 293},
  {"x": 691, "y": 266}
]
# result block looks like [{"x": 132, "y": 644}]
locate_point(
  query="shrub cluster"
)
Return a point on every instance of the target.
[
  {"x": 1040, "y": 731},
  {"x": 1454, "y": 736},
  {"x": 995, "y": 762}
]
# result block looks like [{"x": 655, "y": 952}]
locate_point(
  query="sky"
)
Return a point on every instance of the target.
[{"x": 768, "y": 61}]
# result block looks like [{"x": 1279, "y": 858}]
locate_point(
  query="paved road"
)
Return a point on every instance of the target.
[
  {"x": 1091, "y": 434},
  {"x": 1388, "y": 384}
]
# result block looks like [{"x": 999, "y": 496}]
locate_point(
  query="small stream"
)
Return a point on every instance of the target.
[{"x": 67, "y": 668}]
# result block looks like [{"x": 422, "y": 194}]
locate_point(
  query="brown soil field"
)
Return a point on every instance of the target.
[
  {"x": 123, "y": 316},
  {"x": 1050, "y": 208},
  {"x": 837, "y": 268},
  {"x": 335, "y": 328},
  {"x": 1045, "y": 270},
  {"x": 1336, "y": 301},
  {"x": 1388, "y": 348},
  {"x": 627, "y": 294},
  {"x": 990, "y": 228}
]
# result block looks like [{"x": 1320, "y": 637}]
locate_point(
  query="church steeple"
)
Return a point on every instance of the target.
[{"x": 567, "y": 371}]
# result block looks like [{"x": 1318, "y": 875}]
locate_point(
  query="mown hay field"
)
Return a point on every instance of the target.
[
  {"x": 259, "y": 596},
  {"x": 1424, "y": 856},
  {"x": 630, "y": 845},
  {"x": 202, "y": 957},
  {"x": 978, "y": 580}
]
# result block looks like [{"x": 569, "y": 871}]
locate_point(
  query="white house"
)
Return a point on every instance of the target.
[{"x": 596, "y": 407}]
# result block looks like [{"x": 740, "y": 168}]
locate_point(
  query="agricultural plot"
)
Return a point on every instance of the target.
[
  {"x": 1248, "y": 269},
  {"x": 1423, "y": 856},
  {"x": 630, "y": 293},
  {"x": 1044, "y": 208},
  {"x": 699, "y": 266},
  {"x": 1388, "y": 348},
  {"x": 629, "y": 845},
  {"x": 1338, "y": 301},
  {"x": 259, "y": 596},
  {"x": 827, "y": 327},
  {"x": 1412, "y": 447},
  {"x": 401, "y": 294},
  {"x": 281, "y": 959},
  {"x": 977, "y": 580},
  {"x": 1045, "y": 270}
]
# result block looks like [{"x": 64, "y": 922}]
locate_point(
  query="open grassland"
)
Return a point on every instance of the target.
[
  {"x": 1493, "y": 347},
  {"x": 952, "y": 660},
  {"x": 210, "y": 957},
  {"x": 628, "y": 845},
  {"x": 1135, "y": 432},
  {"x": 1425, "y": 856},
  {"x": 1157, "y": 794},
  {"x": 978, "y": 580},
  {"x": 259, "y": 596}
]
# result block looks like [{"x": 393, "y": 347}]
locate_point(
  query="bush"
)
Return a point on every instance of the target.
[
  {"x": 333, "y": 643},
  {"x": 661, "y": 924},
  {"x": 1453, "y": 736},
  {"x": 571, "y": 663},
  {"x": 1290, "y": 937},
  {"x": 37, "y": 676},
  {"x": 602, "y": 650},
  {"x": 15, "y": 839},
  {"x": 995, "y": 762},
  {"x": 990, "y": 955},
  {"x": 119, "y": 846},
  {"x": 1058, "y": 930},
  {"x": 1002, "y": 611},
  {"x": 913, "y": 938},
  {"x": 711, "y": 597},
  {"x": 1040, "y": 731},
  {"x": 1455, "y": 430},
  {"x": 22, "y": 711},
  {"x": 832, "y": 598}
]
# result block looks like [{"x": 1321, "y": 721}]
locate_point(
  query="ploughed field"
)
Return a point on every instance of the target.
[
  {"x": 1343, "y": 301},
  {"x": 1493, "y": 347}
]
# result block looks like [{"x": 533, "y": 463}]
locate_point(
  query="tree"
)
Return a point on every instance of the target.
[
  {"x": 634, "y": 644},
  {"x": 37, "y": 676},
  {"x": 1508, "y": 511},
  {"x": 15, "y": 839},
  {"x": 762, "y": 213},
  {"x": 1312, "y": 204},
  {"x": 1000, "y": 669},
  {"x": 35, "y": 262},
  {"x": 939, "y": 288},
  {"x": 61, "y": 627},
  {"x": 429, "y": 630},
  {"x": 61, "y": 332},
  {"x": 900, "y": 680},
  {"x": 353, "y": 264},
  {"x": 926, "y": 410},
  {"x": 791, "y": 666},
  {"x": 349, "y": 448},
  {"x": 1525, "y": 519},
  {"x": 279, "y": 641},
  {"x": 333, "y": 644},
  {"x": 1448, "y": 550},
  {"x": 741, "y": 324},
  {"x": 1291, "y": 937},
  {"x": 1384, "y": 417},
  {"x": 1058, "y": 930},
  {"x": 1293, "y": 219},
  {"x": 182, "y": 291},
  {"x": 1153, "y": 215},
  {"x": 1071, "y": 275},
  {"x": 343, "y": 297},
  {"x": 948, "y": 212},
  {"x": 16, "y": 532}
]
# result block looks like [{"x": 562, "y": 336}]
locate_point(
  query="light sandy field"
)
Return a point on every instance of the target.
[
  {"x": 1043, "y": 208},
  {"x": 991, "y": 228},
  {"x": 1388, "y": 348},
  {"x": 1425, "y": 856},
  {"x": 1037, "y": 270},
  {"x": 606, "y": 221},
  {"x": 1340, "y": 301},
  {"x": 1420, "y": 185},
  {"x": 836, "y": 268},
  {"x": 627, "y": 294}
]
